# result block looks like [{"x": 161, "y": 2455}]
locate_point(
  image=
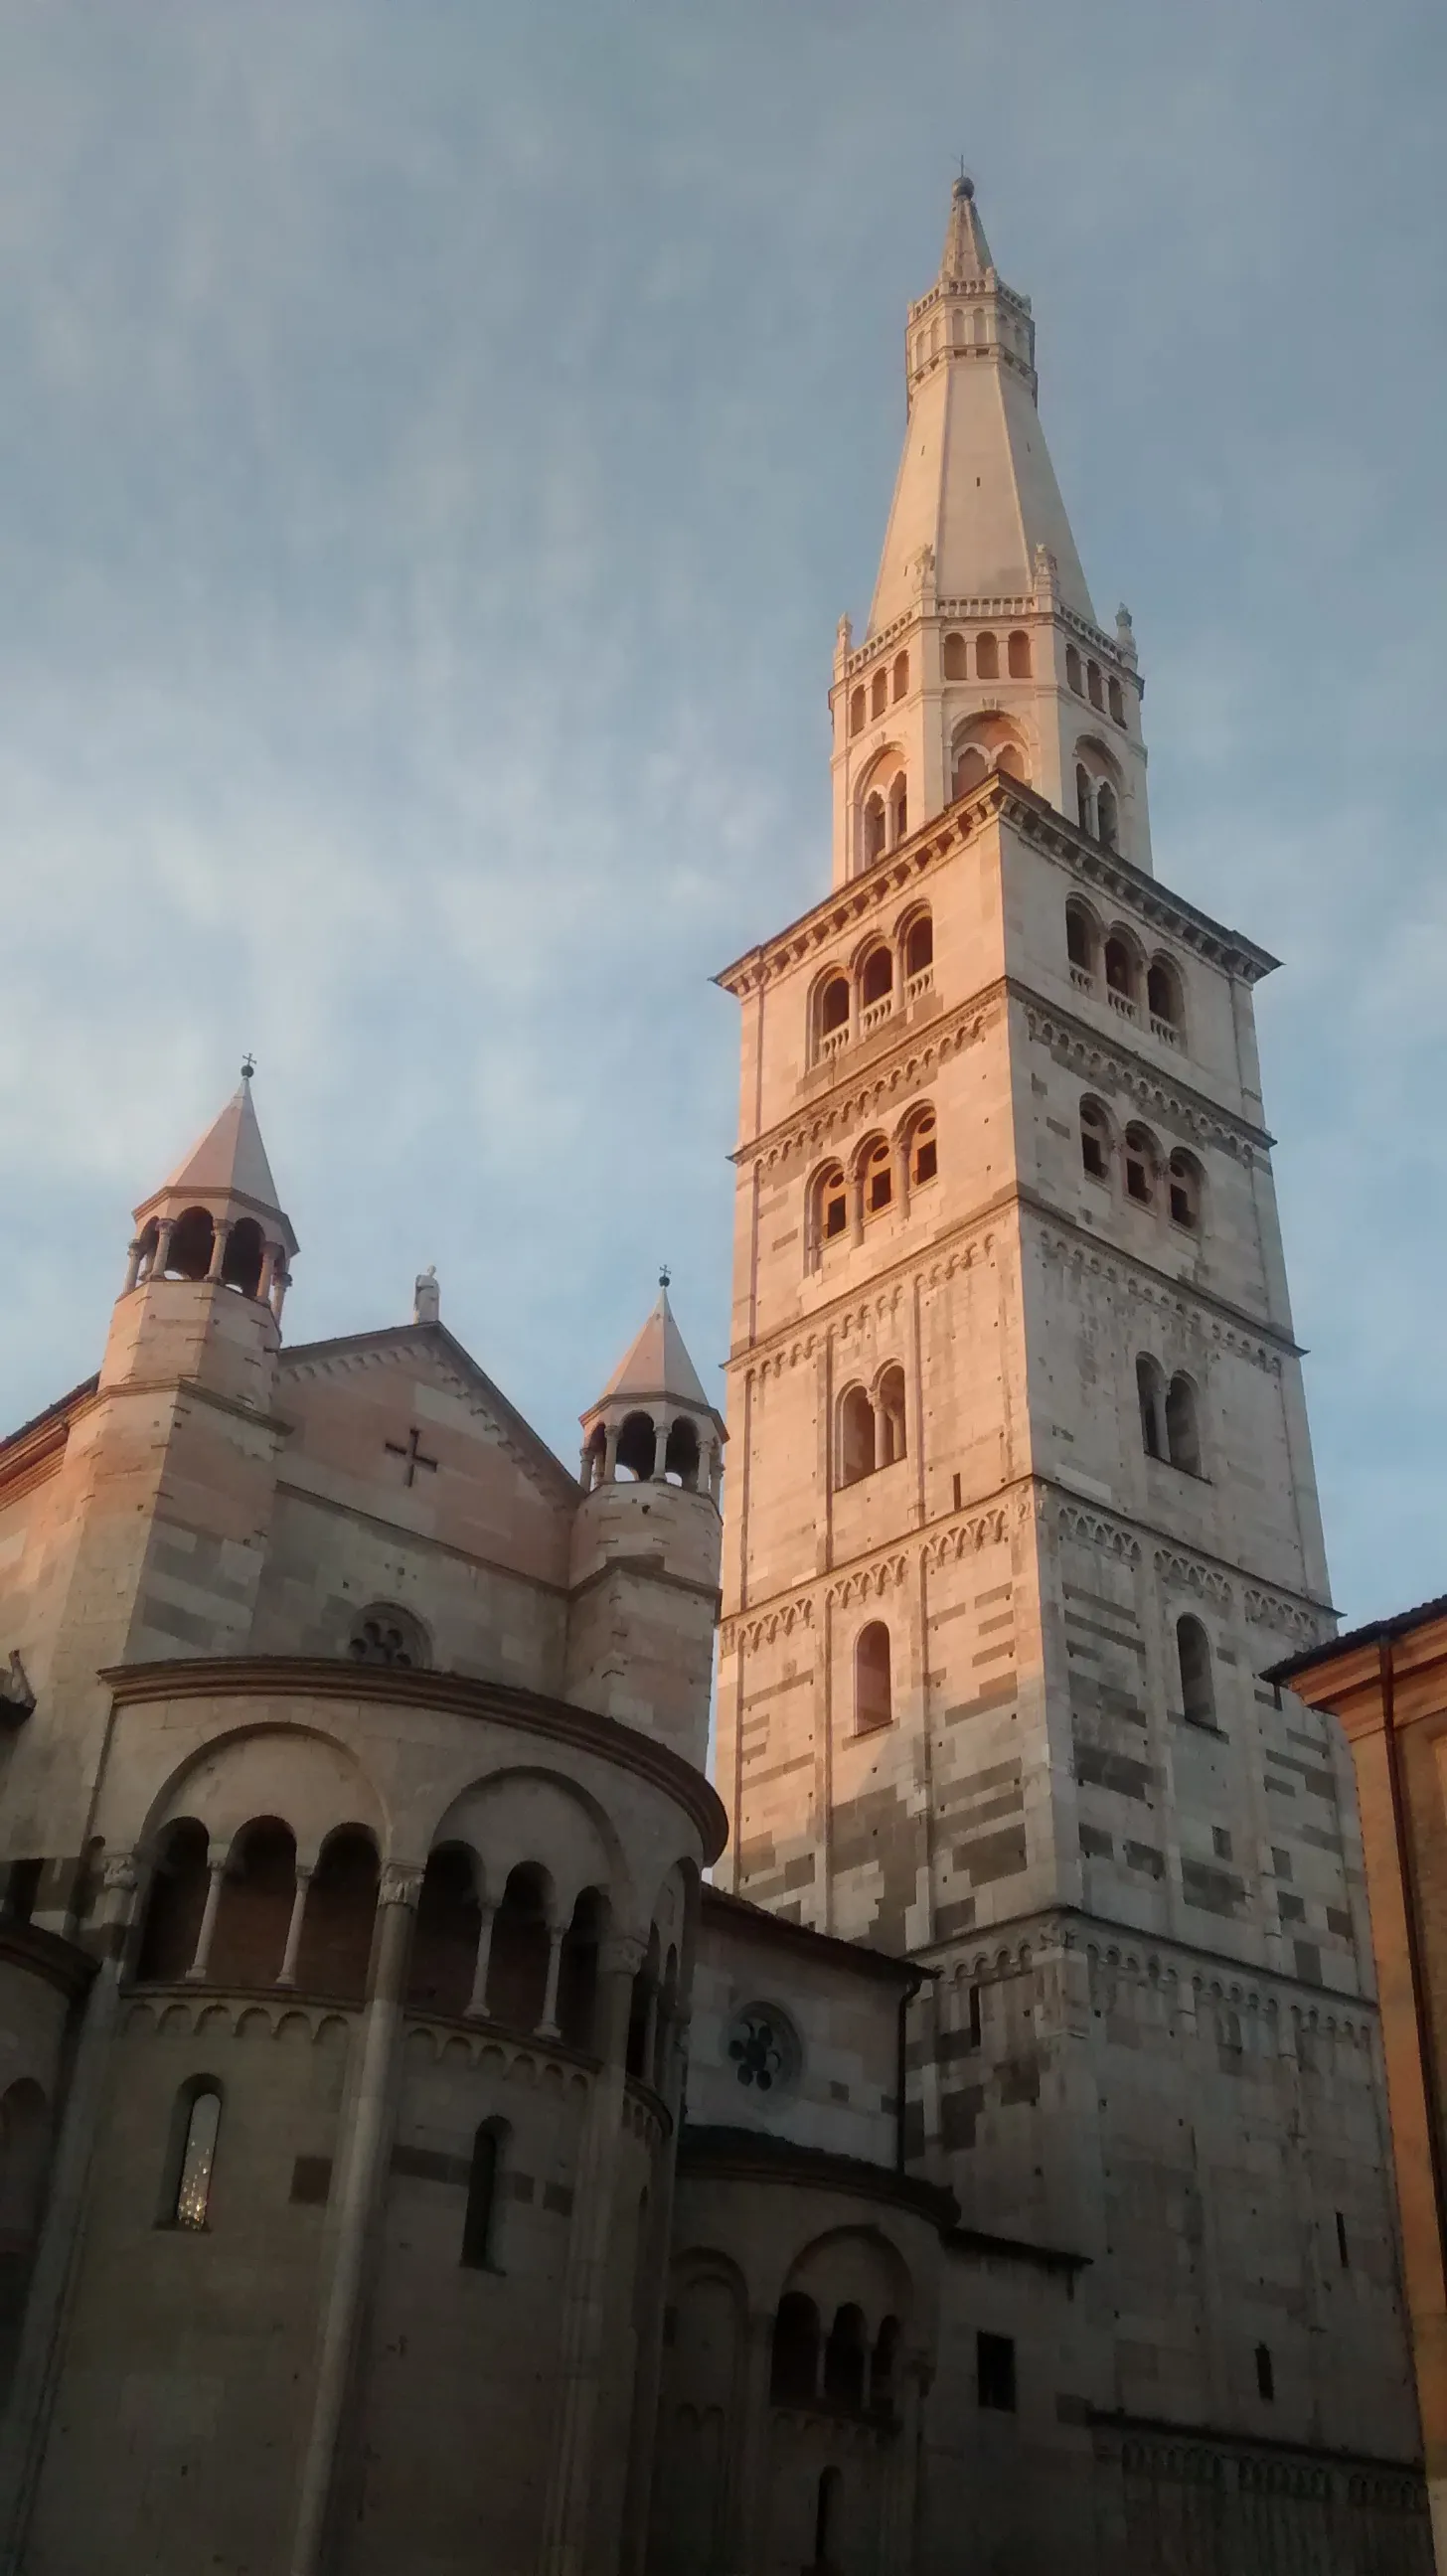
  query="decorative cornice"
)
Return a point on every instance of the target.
[
  {"x": 1263, "y": 1344},
  {"x": 271, "y": 1677},
  {"x": 1211, "y": 1577},
  {"x": 997, "y": 798},
  {"x": 881, "y": 1569},
  {"x": 34, "y": 1450},
  {"x": 1111, "y": 1065},
  {"x": 863, "y": 1090}
]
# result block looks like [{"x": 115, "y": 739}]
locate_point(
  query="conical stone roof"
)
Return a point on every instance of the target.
[{"x": 656, "y": 1365}]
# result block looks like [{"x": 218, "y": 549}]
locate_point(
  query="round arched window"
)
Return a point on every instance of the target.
[{"x": 763, "y": 2049}]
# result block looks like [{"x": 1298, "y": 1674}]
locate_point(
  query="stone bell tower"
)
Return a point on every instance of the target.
[
  {"x": 1025, "y": 1499},
  {"x": 152, "y": 1539},
  {"x": 646, "y": 1537}
]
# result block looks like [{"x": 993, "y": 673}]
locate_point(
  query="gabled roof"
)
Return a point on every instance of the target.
[
  {"x": 656, "y": 1365},
  {"x": 435, "y": 1341}
]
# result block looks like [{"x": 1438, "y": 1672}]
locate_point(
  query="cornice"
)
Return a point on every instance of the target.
[
  {"x": 988, "y": 1521},
  {"x": 269, "y": 1677},
  {"x": 1194, "y": 1112},
  {"x": 997, "y": 798},
  {"x": 861, "y": 1089},
  {"x": 960, "y": 1246},
  {"x": 34, "y": 1451}
]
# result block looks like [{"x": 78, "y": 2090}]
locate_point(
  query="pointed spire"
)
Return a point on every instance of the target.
[
  {"x": 966, "y": 259},
  {"x": 230, "y": 1159},
  {"x": 656, "y": 1364}
]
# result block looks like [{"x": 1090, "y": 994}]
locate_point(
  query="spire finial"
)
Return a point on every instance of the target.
[
  {"x": 964, "y": 185},
  {"x": 664, "y": 1276},
  {"x": 248, "y": 1065}
]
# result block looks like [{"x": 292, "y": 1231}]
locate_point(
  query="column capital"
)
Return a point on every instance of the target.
[
  {"x": 401, "y": 1883},
  {"x": 622, "y": 1954}
]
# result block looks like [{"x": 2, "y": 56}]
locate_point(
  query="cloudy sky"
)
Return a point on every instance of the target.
[{"x": 436, "y": 443}]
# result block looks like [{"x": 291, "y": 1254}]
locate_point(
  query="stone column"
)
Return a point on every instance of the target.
[
  {"x": 610, "y": 1454},
  {"x": 582, "y": 2355},
  {"x": 286, "y": 1974},
  {"x": 653, "y": 2256},
  {"x": 548, "y": 2026},
  {"x": 165, "y": 1228},
  {"x": 220, "y": 1237},
  {"x": 367, "y": 2126},
  {"x": 477, "y": 2000},
  {"x": 279, "y": 1287},
  {"x": 27, "y": 2417},
  {"x": 856, "y": 1206},
  {"x": 201, "y": 1960},
  {"x": 133, "y": 1267},
  {"x": 751, "y": 2481},
  {"x": 660, "y": 1449},
  {"x": 901, "y": 1172},
  {"x": 271, "y": 1254}
]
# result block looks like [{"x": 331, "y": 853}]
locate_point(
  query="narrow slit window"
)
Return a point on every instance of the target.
[{"x": 200, "y": 2126}]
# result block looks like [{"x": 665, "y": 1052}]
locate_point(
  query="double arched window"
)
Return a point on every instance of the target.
[
  {"x": 855, "y": 1002},
  {"x": 983, "y": 743},
  {"x": 871, "y": 1427},
  {"x": 869, "y": 702},
  {"x": 883, "y": 806},
  {"x": 1098, "y": 794},
  {"x": 1169, "y": 1414},
  {"x": 883, "y": 1173}
]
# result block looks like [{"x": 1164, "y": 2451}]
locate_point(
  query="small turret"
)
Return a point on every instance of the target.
[
  {"x": 645, "y": 1558},
  {"x": 209, "y": 1264}
]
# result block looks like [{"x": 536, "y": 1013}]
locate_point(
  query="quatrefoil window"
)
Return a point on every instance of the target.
[{"x": 763, "y": 2049}]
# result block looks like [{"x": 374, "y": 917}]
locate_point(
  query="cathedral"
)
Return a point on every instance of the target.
[{"x": 444, "y": 2132}]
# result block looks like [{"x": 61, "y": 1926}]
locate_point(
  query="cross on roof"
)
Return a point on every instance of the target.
[{"x": 412, "y": 1452}]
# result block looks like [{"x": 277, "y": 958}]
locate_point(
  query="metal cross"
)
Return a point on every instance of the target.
[{"x": 413, "y": 1455}]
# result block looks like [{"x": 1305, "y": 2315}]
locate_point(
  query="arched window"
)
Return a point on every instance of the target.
[
  {"x": 517, "y": 1974},
  {"x": 1265, "y": 2375},
  {"x": 898, "y": 810},
  {"x": 241, "y": 1262},
  {"x": 191, "y": 2163},
  {"x": 1092, "y": 684},
  {"x": 970, "y": 768},
  {"x": 876, "y": 977},
  {"x": 1163, "y": 997},
  {"x": 1018, "y": 657},
  {"x": 1011, "y": 760},
  {"x": 891, "y": 1416},
  {"x": 831, "y": 1204},
  {"x": 873, "y": 1696},
  {"x": 846, "y": 2360},
  {"x": 1084, "y": 798},
  {"x": 1183, "y": 1439},
  {"x": 1141, "y": 1164},
  {"x": 919, "y": 947},
  {"x": 884, "y": 2365},
  {"x": 637, "y": 1448},
  {"x": 382, "y": 1635},
  {"x": 1150, "y": 1394},
  {"x": 254, "y": 1913},
  {"x": 1072, "y": 670},
  {"x": 1082, "y": 939},
  {"x": 873, "y": 827},
  {"x": 340, "y": 1917},
  {"x": 578, "y": 1968},
  {"x": 484, "y": 2173},
  {"x": 1120, "y": 972},
  {"x": 1193, "y": 1658},
  {"x": 901, "y": 674},
  {"x": 957, "y": 661},
  {"x": 1185, "y": 1191},
  {"x": 987, "y": 658},
  {"x": 878, "y": 693},
  {"x": 856, "y": 711},
  {"x": 1107, "y": 817},
  {"x": 794, "y": 2358},
  {"x": 1117, "y": 702},
  {"x": 856, "y": 1436},
  {"x": 445, "y": 1935},
  {"x": 680, "y": 1456},
  {"x": 175, "y": 1903},
  {"x": 643, "y": 2011},
  {"x": 191, "y": 1242},
  {"x": 1095, "y": 1140},
  {"x": 827, "y": 2521},
  {"x": 924, "y": 1159},
  {"x": 831, "y": 1006},
  {"x": 877, "y": 1171}
]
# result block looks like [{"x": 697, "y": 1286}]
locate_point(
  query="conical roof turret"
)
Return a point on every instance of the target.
[
  {"x": 228, "y": 1164},
  {"x": 656, "y": 1366}
]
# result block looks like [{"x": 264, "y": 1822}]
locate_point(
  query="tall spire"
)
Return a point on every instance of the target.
[
  {"x": 230, "y": 1159},
  {"x": 976, "y": 487},
  {"x": 656, "y": 1363},
  {"x": 966, "y": 259}
]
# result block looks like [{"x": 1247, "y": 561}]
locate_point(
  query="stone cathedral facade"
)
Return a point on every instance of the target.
[{"x": 444, "y": 2134}]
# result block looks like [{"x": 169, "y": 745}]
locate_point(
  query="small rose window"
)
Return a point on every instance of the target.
[{"x": 763, "y": 2050}]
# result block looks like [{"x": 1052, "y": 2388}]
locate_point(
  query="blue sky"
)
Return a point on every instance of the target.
[{"x": 437, "y": 443}]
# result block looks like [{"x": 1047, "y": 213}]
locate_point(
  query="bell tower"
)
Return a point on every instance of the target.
[{"x": 1024, "y": 1499}]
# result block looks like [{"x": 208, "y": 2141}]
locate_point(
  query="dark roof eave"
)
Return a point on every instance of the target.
[
  {"x": 885, "y": 1964},
  {"x": 1373, "y": 1632}
]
